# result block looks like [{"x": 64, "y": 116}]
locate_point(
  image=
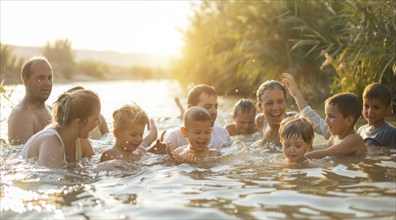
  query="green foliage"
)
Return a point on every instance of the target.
[
  {"x": 61, "y": 57},
  {"x": 10, "y": 65},
  {"x": 92, "y": 68},
  {"x": 360, "y": 43},
  {"x": 237, "y": 45}
]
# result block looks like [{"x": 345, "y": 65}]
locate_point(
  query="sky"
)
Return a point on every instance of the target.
[{"x": 127, "y": 26}]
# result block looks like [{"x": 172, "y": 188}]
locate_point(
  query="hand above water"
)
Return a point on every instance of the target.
[
  {"x": 151, "y": 135},
  {"x": 159, "y": 147},
  {"x": 175, "y": 156}
]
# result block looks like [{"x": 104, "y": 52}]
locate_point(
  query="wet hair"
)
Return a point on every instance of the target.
[
  {"x": 245, "y": 105},
  {"x": 297, "y": 125},
  {"x": 379, "y": 92},
  {"x": 348, "y": 104},
  {"x": 268, "y": 85},
  {"x": 75, "y": 88},
  {"x": 27, "y": 66},
  {"x": 196, "y": 91},
  {"x": 129, "y": 115},
  {"x": 79, "y": 104},
  {"x": 195, "y": 113}
]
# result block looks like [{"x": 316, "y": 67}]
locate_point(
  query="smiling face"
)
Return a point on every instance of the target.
[
  {"x": 273, "y": 104},
  {"x": 39, "y": 83},
  {"x": 198, "y": 134},
  {"x": 129, "y": 139},
  {"x": 245, "y": 122},
  {"x": 294, "y": 148},
  {"x": 374, "y": 111},
  {"x": 338, "y": 125}
]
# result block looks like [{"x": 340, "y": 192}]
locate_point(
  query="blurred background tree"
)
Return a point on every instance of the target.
[
  {"x": 10, "y": 65},
  {"x": 92, "y": 68},
  {"x": 61, "y": 57}
]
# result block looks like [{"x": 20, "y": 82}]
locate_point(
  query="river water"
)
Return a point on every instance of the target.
[{"x": 248, "y": 182}]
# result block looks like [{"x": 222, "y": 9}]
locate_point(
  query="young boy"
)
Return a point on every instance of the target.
[
  {"x": 376, "y": 106},
  {"x": 204, "y": 96},
  {"x": 244, "y": 119},
  {"x": 342, "y": 112},
  {"x": 129, "y": 123},
  {"x": 197, "y": 129},
  {"x": 296, "y": 135}
]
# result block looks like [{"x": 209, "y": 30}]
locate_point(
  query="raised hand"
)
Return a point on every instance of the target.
[
  {"x": 290, "y": 84},
  {"x": 152, "y": 133},
  {"x": 159, "y": 147}
]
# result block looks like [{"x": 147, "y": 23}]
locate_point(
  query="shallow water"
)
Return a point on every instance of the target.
[{"x": 248, "y": 182}]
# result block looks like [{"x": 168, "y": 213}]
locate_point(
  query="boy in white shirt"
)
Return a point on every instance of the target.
[{"x": 204, "y": 96}]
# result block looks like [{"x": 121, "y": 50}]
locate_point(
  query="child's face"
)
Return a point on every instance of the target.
[
  {"x": 245, "y": 122},
  {"x": 338, "y": 125},
  {"x": 131, "y": 138},
  {"x": 295, "y": 148},
  {"x": 198, "y": 134},
  {"x": 374, "y": 111},
  {"x": 273, "y": 104},
  {"x": 90, "y": 123},
  {"x": 209, "y": 102}
]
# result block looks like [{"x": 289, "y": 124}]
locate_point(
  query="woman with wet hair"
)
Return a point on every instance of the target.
[{"x": 74, "y": 115}]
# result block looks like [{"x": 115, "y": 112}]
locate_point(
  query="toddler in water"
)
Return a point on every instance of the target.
[
  {"x": 197, "y": 128},
  {"x": 296, "y": 135},
  {"x": 244, "y": 119},
  {"x": 129, "y": 123}
]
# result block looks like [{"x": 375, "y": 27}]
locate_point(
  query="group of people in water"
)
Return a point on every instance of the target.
[{"x": 59, "y": 135}]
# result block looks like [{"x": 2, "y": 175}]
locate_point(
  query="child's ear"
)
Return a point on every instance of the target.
[
  {"x": 211, "y": 129},
  {"x": 389, "y": 110},
  {"x": 350, "y": 121},
  {"x": 183, "y": 130}
]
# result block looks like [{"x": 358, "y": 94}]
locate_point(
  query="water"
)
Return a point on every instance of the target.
[{"x": 248, "y": 182}]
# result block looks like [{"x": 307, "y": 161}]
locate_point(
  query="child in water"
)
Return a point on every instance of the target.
[
  {"x": 377, "y": 104},
  {"x": 342, "y": 112},
  {"x": 129, "y": 123},
  {"x": 296, "y": 135},
  {"x": 244, "y": 119},
  {"x": 197, "y": 128}
]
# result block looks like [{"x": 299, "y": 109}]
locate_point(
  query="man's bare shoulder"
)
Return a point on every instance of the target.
[{"x": 20, "y": 113}]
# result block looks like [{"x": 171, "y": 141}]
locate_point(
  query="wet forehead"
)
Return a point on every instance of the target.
[
  {"x": 272, "y": 94},
  {"x": 40, "y": 67},
  {"x": 199, "y": 125},
  {"x": 206, "y": 99}
]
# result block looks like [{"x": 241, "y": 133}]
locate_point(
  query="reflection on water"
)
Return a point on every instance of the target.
[{"x": 248, "y": 182}]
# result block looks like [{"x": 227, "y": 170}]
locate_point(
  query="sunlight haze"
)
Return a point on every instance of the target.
[{"x": 123, "y": 26}]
